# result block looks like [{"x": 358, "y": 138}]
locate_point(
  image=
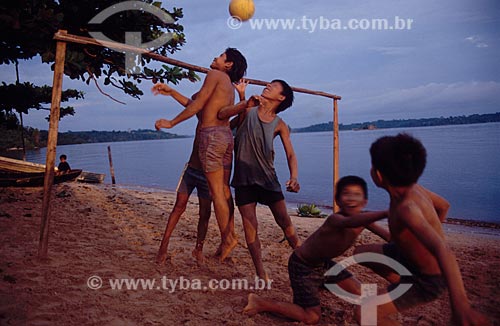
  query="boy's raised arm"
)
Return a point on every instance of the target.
[
  {"x": 380, "y": 231},
  {"x": 292, "y": 184},
  {"x": 418, "y": 225},
  {"x": 230, "y": 110},
  {"x": 224, "y": 114},
  {"x": 195, "y": 106},
  {"x": 441, "y": 205},
  {"x": 355, "y": 221}
]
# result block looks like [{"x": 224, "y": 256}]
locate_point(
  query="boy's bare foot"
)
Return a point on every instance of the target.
[
  {"x": 161, "y": 258},
  {"x": 218, "y": 251},
  {"x": 292, "y": 237},
  {"x": 198, "y": 255},
  {"x": 263, "y": 276},
  {"x": 252, "y": 307},
  {"x": 227, "y": 248}
]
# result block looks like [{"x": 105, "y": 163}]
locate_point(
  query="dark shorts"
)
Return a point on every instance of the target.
[
  {"x": 192, "y": 178},
  {"x": 425, "y": 288},
  {"x": 216, "y": 148},
  {"x": 256, "y": 194},
  {"x": 306, "y": 281}
]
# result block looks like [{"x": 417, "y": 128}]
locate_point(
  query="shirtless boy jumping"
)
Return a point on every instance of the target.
[
  {"x": 216, "y": 139},
  {"x": 192, "y": 177}
]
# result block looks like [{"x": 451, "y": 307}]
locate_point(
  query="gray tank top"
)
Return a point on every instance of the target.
[{"x": 254, "y": 153}]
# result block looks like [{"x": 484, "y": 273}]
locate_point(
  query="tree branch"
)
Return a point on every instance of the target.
[{"x": 100, "y": 90}]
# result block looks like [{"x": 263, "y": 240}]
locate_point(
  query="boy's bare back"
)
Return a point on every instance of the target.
[{"x": 415, "y": 206}]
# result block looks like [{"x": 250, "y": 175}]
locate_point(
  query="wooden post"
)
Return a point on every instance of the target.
[
  {"x": 113, "y": 181},
  {"x": 336, "y": 151},
  {"x": 51, "y": 147},
  {"x": 22, "y": 136},
  {"x": 21, "y": 115}
]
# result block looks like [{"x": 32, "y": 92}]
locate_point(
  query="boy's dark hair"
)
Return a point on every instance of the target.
[
  {"x": 239, "y": 68},
  {"x": 347, "y": 181},
  {"x": 401, "y": 159},
  {"x": 63, "y": 157},
  {"x": 287, "y": 92}
]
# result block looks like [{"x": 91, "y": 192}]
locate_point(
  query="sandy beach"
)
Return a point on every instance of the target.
[{"x": 102, "y": 234}]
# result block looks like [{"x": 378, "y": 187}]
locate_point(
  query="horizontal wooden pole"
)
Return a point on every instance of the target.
[{"x": 125, "y": 47}]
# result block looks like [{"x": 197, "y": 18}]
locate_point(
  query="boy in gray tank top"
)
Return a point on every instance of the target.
[{"x": 254, "y": 178}]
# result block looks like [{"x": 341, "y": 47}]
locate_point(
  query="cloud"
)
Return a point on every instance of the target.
[
  {"x": 392, "y": 50},
  {"x": 430, "y": 100},
  {"x": 476, "y": 41}
]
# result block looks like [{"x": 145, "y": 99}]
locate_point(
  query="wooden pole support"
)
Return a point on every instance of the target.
[
  {"x": 112, "y": 170},
  {"x": 51, "y": 147},
  {"x": 336, "y": 151}
]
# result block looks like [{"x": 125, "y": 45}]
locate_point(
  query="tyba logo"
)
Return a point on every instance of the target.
[
  {"x": 133, "y": 38},
  {"x": 369, "y": 301}
]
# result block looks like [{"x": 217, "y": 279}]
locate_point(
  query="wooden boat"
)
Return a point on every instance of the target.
[
  {"x": 91, "y": 177},
  {"x": 34, "y": 179},
  {"x": 10, "y": 164},
  {"x": 16, "y": 172}
]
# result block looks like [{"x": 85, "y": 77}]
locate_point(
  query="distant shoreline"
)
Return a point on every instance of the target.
[
  {"x": 405, "y": 123},
  {"x": 36, "y": 139}
]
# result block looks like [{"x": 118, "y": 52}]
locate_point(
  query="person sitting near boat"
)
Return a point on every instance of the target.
[{"x": 63, "y": 165}]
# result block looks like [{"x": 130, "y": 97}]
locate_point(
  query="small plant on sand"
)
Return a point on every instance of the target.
[{"x": 309, "y": 210}]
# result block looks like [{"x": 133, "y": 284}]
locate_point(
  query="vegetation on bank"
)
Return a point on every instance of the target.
[
  {"x": 406, "y": 123},
  {"x": 33, "y": 138},
  {"x": 10, "y": 131}
]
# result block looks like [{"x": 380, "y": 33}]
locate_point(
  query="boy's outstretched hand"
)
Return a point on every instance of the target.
[
  {"x": 241, "y": 86},
  {"x": 162, "y": 89},
  {"x": 163, "y": 123},
  {"x": 254, "y": 100}
]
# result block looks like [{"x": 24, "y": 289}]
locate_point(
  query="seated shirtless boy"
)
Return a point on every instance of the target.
[
  {"x": 417, "y": 237},
  {"x": 309, "y": 262}
]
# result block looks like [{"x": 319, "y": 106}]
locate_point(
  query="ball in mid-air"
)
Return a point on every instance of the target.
[{"x": 242, "y": 9}]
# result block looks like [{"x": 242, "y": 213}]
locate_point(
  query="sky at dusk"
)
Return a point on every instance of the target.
[{"x": 445, "y": 64}]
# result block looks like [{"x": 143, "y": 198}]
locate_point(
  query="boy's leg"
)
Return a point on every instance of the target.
[
  {"x": 382, "y": 270},
  {"x": 281, "y": 217},
  {"x": 229, "y": 199},
  {"x": 216, "y": 184},
  {"x": 351, "y": 285},
  {"x": 250, "y": 226},
  {"x": 230, "y": 203},
  {"x": 215, "y": 152},
  {"x": 179, "y": 208},
  {"x": 204, "y": 212},
  {"x": 383, "y": 314},
  {"x": 257, "y": 304},
  {"x": 386, "y": 272}
]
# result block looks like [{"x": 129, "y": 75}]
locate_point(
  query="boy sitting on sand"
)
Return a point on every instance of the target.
[
  {"x": 417, "y": 239},
  {"x": 309, "y": 262}
]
